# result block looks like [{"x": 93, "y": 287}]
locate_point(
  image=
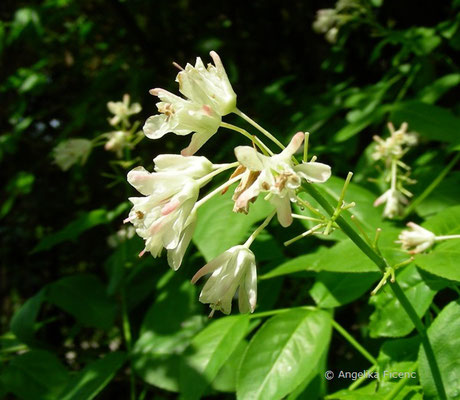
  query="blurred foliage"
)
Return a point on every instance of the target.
[{"x": 81, "y": 318}]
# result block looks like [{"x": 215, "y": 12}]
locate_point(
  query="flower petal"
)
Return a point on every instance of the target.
[
  {"x": 250, "y": 158},
  {"x": 293, "y": 146},
  {"x": 283, "y": 210},
  {"x": 198, "y": 140},
  {"x": 313, "y": 171},
  {"x": 176, "y": 255},
  {"x": 194, "y": 167},
  {"x": 247, "y": 294},
  {"x": 157, "y": 126},
  {"x": 211, "y": 266}
]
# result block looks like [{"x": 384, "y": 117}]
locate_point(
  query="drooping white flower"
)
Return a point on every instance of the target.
[
  {"x": 182, "y": 117},
  {"x": 72, "y": 151},
  {"x": 276, "y": 175},
  {"x": 233, "y": 269},
  {"x": 395, "y": 202},
  {"x": 209, "y": 85},
  {"x": 165, "y": 218},
  {"x": 417, "y": 239},
  {"x": 122, "y": 110}
]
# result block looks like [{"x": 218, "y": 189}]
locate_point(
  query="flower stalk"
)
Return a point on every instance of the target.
[{"x": 382, "y": 264}]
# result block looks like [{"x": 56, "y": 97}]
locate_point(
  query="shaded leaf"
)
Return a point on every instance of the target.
[
  {"x": 93, "y": 378},
  {"x": 73, "y": 230},
  {"x": 84, "y": 297},
  {"x": 208, "y": 352},
  {"x": 34, "y": 375},
  {"x": 283, "y": 353}
]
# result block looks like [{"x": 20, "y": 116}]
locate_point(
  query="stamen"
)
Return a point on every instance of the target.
[{"x": 177, "y": 66}]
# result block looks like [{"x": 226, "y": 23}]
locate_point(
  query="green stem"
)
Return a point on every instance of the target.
[
  {"x": 128, "y": 340},
  {"x": 262, "y": 226},
  {"x": 258, "y": 127},
  {"x": 354, "y": 343},
  {"x": 264, "y": 314},
  {"x": 359, "y": 381},
  {"x": 253, "y": 138},
  {"x": 431, "y": 186},
  {"x": 400, "y": 385},
  {"x": 398, "y": 292}
]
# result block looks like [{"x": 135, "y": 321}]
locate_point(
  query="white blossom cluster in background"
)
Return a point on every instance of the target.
[
  {"x": 125, "y": 136},
  {"x": 165, "y": 215},
  {"x": 328, "y": 21},
  {"x": 390, "y": 152}
]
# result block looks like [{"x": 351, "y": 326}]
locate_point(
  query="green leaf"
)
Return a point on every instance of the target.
[
  {"x": 443, "y": 259},
  {"x": 34, "y": 375},
  {"x": 389, "y": 318},
  {"x": 308, "y": 262},
  {"x": 208, "y": 352},
  {"x": 164, "y": 335},
  {"x": 446, "y": 195},
  {"x": 434, "y": 123},
  {"x": 73, "y": 230},
  {"x": 359, "y": 124},
  {"x": 432, "y": 93},
  {"x": 444, "y": 335},
  {"x": 283, "y": 353},
  {"x": 333, "y": 259},
  {"x": 376, "y": 391},
  {"x": 333, "y": 289},
  {"x": 23, "y": 321},
  {"x": 218, "y": 228},
  {"x": 93, "y": 378},
  {"x": 225, "y": 380},
  {"x": 84, "y": 297}
]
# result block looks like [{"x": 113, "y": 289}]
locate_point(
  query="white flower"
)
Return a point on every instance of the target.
[
  {"x": 208, "y": 85},
  {"x": 122, "y": 110},
  {"x": 276, "y": 175},
  {"x": 395, "y": 202},
  {"x": 117, "y": 141},
  {"x": 393, "y": 146},
  {"x": 69, "y": 152},
  {"x": 325, "y": 20},
  {"x": 122, "y": 235},
  {"x": 331, "y": 34},
  {"x": 233, "y": 269},
  {"x": 182, "y": 117},
  {"x": 165, "y": 218},
  {"x": 193, "y": 167},
  {"x": 417, "y": 238}
]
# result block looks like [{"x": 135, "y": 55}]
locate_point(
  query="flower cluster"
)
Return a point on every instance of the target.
[
  {"x": 329, "y": 20},
  {"x": 124, "y": 136},
  {"x": 166, "y": 214},
  {"x": 209, "y": 96},
  {"x": 73, "y": 151},
  {"x": 276, "y": 175},
  {"x": 390, "y": 151}
]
